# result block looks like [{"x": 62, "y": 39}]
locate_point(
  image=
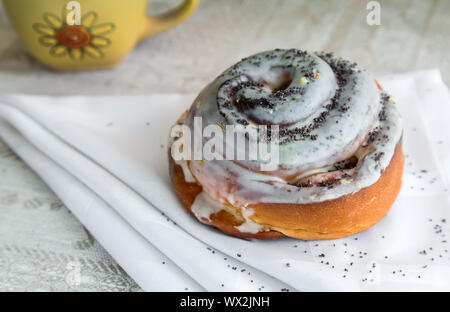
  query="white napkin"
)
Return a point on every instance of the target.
[{"x": 106, "y": 158}]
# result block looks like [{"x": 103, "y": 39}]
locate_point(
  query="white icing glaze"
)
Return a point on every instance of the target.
[
  {"x": 353, "y": 107},
  {"x": 204, "y": 206},
  {"x": 254, "y": 187},
  {"x": 249, "y": 226},
  {"x": 188, "y": 177},
  {"x": 319, "y": 141}
]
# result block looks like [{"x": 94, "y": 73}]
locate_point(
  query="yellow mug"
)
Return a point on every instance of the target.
[{"x": 87, "y": 34}]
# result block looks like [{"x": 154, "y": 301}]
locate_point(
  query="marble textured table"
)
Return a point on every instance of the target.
[{"x": 39, "y": 238}]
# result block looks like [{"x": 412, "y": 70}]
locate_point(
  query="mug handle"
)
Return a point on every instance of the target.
[{"x": 157, "y": 24}]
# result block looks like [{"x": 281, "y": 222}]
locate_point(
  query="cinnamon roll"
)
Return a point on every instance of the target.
[{"x": 338, "y": 140}]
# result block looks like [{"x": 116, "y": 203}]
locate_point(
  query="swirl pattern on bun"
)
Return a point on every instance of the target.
[{"x": 338, "y": 134}]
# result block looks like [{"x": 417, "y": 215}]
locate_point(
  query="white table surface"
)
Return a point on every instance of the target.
[{"x": 39, "y": 238}]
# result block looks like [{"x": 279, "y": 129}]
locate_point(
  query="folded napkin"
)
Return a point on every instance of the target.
[{"x": 106, "y": 158}]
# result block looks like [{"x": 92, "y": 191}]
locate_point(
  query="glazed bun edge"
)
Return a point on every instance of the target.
[{"x": 341, "y": 217}]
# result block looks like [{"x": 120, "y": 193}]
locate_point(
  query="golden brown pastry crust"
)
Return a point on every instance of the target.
[{"x": 330, "y": 219}]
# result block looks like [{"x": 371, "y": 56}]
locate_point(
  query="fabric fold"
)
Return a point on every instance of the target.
[
  {"x": 187, "y": 253},
  {"x": 116, "y": 148},
  {"x": 120, "y": 239}
]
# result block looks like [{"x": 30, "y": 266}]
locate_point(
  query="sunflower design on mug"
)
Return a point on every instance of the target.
[{"x": 77, "y": 41}]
